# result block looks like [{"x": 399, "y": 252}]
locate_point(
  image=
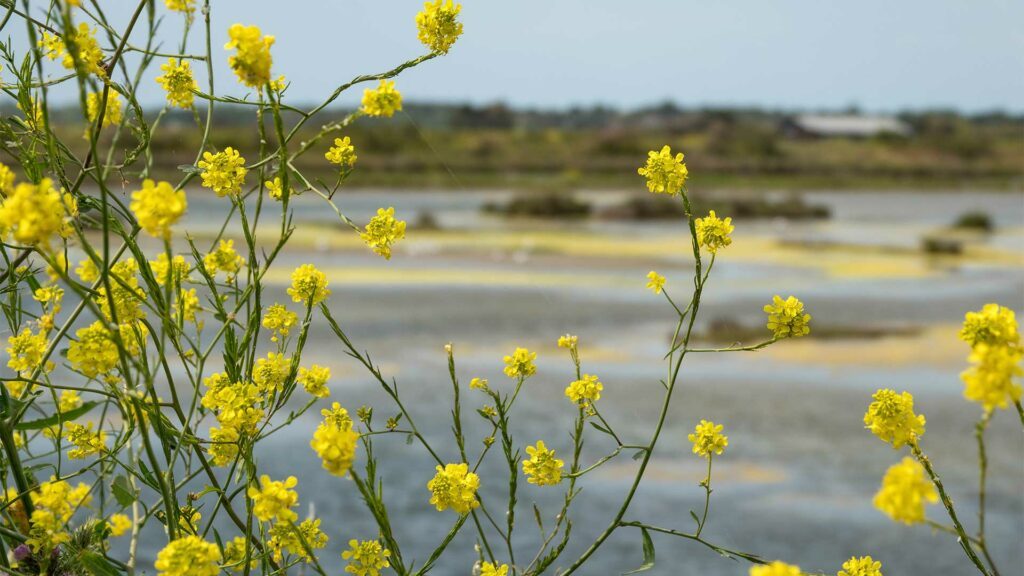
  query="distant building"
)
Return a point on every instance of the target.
[{"x": 843, "y": 126}]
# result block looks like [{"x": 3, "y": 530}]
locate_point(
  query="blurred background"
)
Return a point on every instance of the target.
[{"x": 871, "y": 155}]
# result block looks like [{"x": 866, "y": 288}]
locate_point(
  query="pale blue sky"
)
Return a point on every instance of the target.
[{"x": 881, "y": 55}]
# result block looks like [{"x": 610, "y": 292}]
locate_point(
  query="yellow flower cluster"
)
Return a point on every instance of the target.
[
  {"x": 366, "y": 558},
  {"x": 157, "y": 206},
  {"x": 454, "y": 486},
  {"x": 314, "y": 380},
  {"x": 863, "y": 566},
  {"x": 309, "y": 285},
  {"x": 335, "y": 441},
  {"x": 223, "y": 259},
  {"x": 585, "y": 391},
  {"x": 188, "y": 556},
  {"x": 520, "y": 364},
  {"x": 84, "y": 56},
  {"x": 775, "y": 568},
  {"x": 34, "y": 213},
  {"x": 273, "y": 499},
  {"x": 478, "y": 383},
  {"x": 223, "y": 446},
  {"x": 994, "y": 325},
  {"x": 284, "y": 538},
  {"x": 55, "y": 501},
  {"x": 119, "y": 524},
  {"x": 223, "y": 172},
  {"x": 385, "y": 100},
  {"x": 713, "y": 232},
  {"x": 665, "y": 173},
  {"x": 186, "y": 6},
  {"x": 996, "y": 355},
  {"x": 438, "y": 26},
  {"x": 94, "y": 352},
  {"x": 279, "y": 320},
  {"x": 125, "y": 293},
  {"x": 86, "y": 441},
  {"x": 568, "y": 341},
  {"x": 542, "y": 468},
  {"x": 178, "y": 82},
  {"x": 270, "y": 373},
  {"x": 174, "y": 269},
  {"x": 112, "y": 114},
  {"x": 488, "y": 569},
  {"x": 708, "y": 439},
  {"x": 343, "y": 153},
  {"x": 252, "y": 59},
  {"x": 236, "y": 403},
  {"x": 905, "y": 491},
  {"x": 786, "y": 318},
  {"x": 6, "y": 180},
  {"x": 655, "y": 282},
  {"x": 275, "y": 188},
  {"x": 26, "y": 351},
  {"x": 891, "y": 417},
  {"x": 383, "y": 231}
]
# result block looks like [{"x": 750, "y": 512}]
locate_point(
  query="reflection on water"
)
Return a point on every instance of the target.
[{"x": 800, "y": 471}]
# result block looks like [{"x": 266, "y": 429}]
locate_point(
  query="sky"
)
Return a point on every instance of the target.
[{"x": 882, "y": 56}]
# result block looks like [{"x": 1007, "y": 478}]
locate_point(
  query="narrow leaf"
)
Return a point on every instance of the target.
[
  {"x": 648, "y": 554},
  {"x": 56, "y": 419}
]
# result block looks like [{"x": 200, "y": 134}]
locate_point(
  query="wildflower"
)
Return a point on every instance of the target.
[
  {"x": 309, "y": 285},
  {"x": 478, "y": 383},
  {"x": 34, "y": 213},
  {"x": 274, "y": 498},
  {"x": 384, "y": 101},
  {"x": 6, "y": 180},
  {"x": 69, "y": 400},
  {"x": 655, "y": 282},
  {"x": 891, "y": 417},
  {"x": 585, "y": 391},
  {"x": 454, "y": 486},
  {"x": 55, "y": 501},
  {"x": 314, "y": 380},
  {"x": 188, "y": 556},
  {"x": 157, "y": 206},
  {"x": 236, "y": 405},
  {"x": 234, "y": 555},
  {"x": 713, "y": 232},
  {"x": 786, "y": 318},
  {"x": 278, "y": 84},
  {"x": 26, "y": 350},
  {"x": 35, "y": 116},
  {"x": 275, "y": 190},
  {"x": 488, "y": 569},
  {"x": 335, "y": 445},
  {"x": 93, "y": 353},
  {"x": 17, "y": 387},
  {"x": 343, "y": 153},
  {"x": 86, "y": 441},
  {"x": 112, "y": 115},
  {"x": 283, "y": 537},
  {"x": 542, "y": 468},
  {"x": 905, "y": 491},
  {"x": 223, "y": 445},
  {"x": 437, "y": 25},
  {"x": 79, "y": 49},
  {"x": 520, "y": 364},
  {"x": 337, "y": 416},
  {"x": 863, "y": 566},
  {"x": 165, "y": 269},
  {"x": 665, "y": 173},
  {"x": 279, "y": 320},
  {"x": 186, "y": 6},
  {"x": 178, "y": 82},
  {"x": 991, "y": 381},
  {"x": 87, "y": 271},
  {"x": 188, "y": 305},
  {"x": 993, "y": 325},
  {"x": 775, "y": 568},
  {"x": 707, "y": 438},
  {"x": 252, "y": 59},
  {"x": 223, "y": 172},
  {"x": 126, "y": 295},
  {"x": 366, "y": 558},
  {"x": 223, "y": 259},
  {"x": 383, "y": 231},
  {"x": 119, "y": 524},
  {"x": 188, "y": 519},
  {"x": 270, "y": 373}
]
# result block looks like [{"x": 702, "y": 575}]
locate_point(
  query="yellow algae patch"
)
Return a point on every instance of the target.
[{"x": 934, "y": 346}]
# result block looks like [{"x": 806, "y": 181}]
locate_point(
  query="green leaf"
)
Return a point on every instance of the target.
[
  {"x": 648, "y": 554},
  {"x": 639, "y": 454},
  {"x": 189, "y": 169},
  {"x": 123, "y": 491},
  {"x": 695, "y": 518},
  {"x": 97, "y": 565},
  {"x": 56, "y": 419},
  {"x": 601, "y": 428}
]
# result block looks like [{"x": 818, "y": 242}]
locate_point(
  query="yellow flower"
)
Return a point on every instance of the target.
[
  {"x": 905, "y": 491},
  {"x": 283, "y": 537},
  {"x": 87, "y": 271},
  {"x": 713, "y": 232},
  {"x": 93, "y": 353},
  {"x": 112, "y": 114},
  {"x": 542, "y": 468},
  {"x": 786, "y": 318},
  {"x": 993, "y": 324},
  {"x": 252, "y": 59},
  {"x": 384, "y": 101},
  {"x": 119, "y": 524},
  {"x": 863, "y": 566},
  {"x": 186, "y": 6},
  {"x": 279, "y": 320},
  {"x": 383, "y": 231},
  {"x": 26, "y": 350},
  {"x": 165, "y": 269},
  {"x": 775, "y": 568},
  {"x": 665, "y": 173},
  {"x": 270, "y": 373},
  {"x": 178, "y": 82},
  {"x": 86, "y": 441},
  {"x": 437, "y": 25},
  {"x": 34, "y": 116},
  {"x": 568, "y": 341},
  {"x": 188, "y": 305},
  {"x": 223, "y": 446},
  {"x": 55, "y": 502},
  {"x": 188, "y": 556},
  {"x": 707, "y": 438},
  {"x": 337, "y": 416},
  {"x": 274, "y": 499},
  {"x": 6, "y": 180},
  {"x": 223, "y": 259},
  {"x": 585, "y": 391},
  {"x": 314, "y": 380},
  {"x": 223, "y": 172},
  {"x": 655, "y": 282},
  {"x": 991, "y": 381},
  {"x": 33, "y": 213},
  {"x": 520, "y": 364},
  {"x": 85, "y": 56},
  {"x": 454, "y": 486},
  {"x": 157, "y": 206},
  {"x": 343, "y": 153},
  {"x": 478, "y": 383},
  {"x": 275, "y": 188},
  {"x": 69, "y": 400},
  {"x": 236, "y": 405},
  {"x": 308, "y": 283},
  {"x": 891, "y": 417},
  {"x": 335, "y": 442},
  {"x": 488, "y": 569},
  {"x": 366, "y": 558},
  {"x": 234, "y": 555}
]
